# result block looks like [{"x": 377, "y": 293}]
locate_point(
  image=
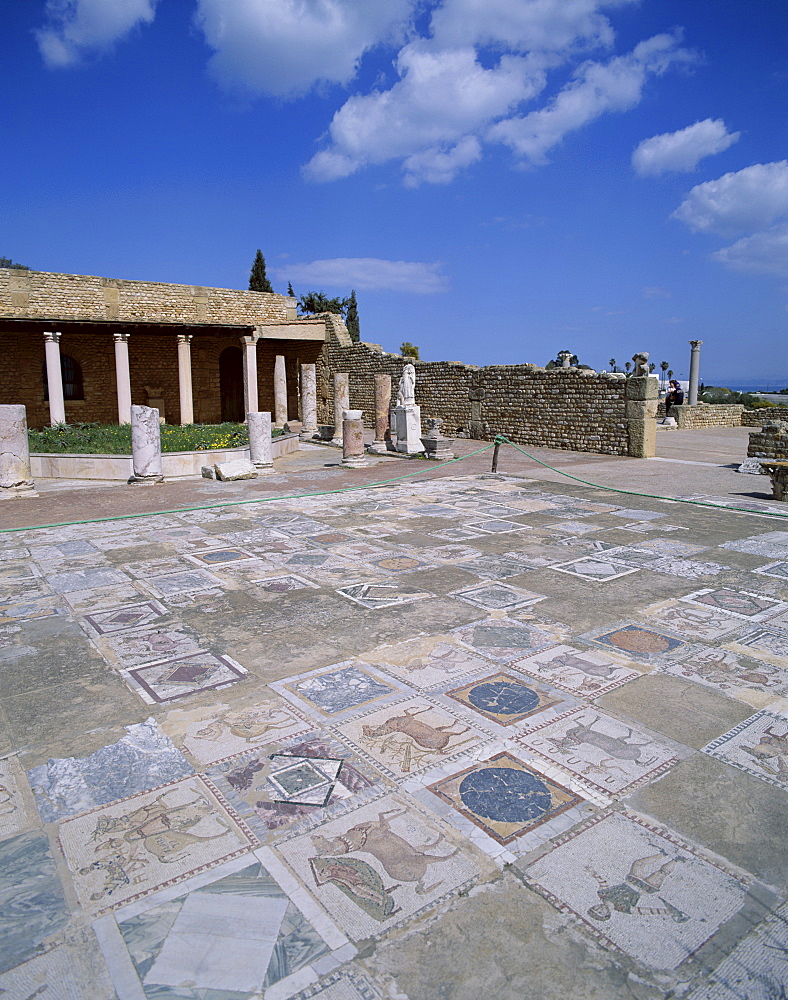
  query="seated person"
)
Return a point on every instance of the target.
[{"x": 675, "y": 397}]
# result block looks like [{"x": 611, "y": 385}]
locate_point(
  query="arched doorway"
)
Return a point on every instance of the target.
[{"x": 231, "y": 384}]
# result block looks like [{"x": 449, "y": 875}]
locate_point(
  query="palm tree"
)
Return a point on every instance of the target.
[
  {"x": 612, "y": 363},
  {"x": 664, "y": 365},
  {"x": 628, "y": 365}
]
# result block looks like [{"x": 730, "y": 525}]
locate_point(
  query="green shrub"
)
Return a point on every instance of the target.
[{"x": 114, "y": 439}]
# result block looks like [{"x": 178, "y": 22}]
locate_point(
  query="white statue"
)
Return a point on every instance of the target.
[{"x": 406, "y": 395}]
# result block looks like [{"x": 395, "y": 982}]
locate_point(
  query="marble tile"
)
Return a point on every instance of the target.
[
  {"x": 456, "y": 534},
  {"x": 633, "y": 514},
  {"x": 497, "y": 526},
  {"x": 779, "y": 570},
  {"x": 187, "y": 582},
  {"x": 383, "y": 593},
  {"x": 126, "y": 617},
  {"x": 497, "y": 596},
  {"x": 380, "y": 865},
  {"x": 220, "y": 557},
  {"x": 638, "y": 888},
  {"x": 29, "y": 610},
  {"x": 600, "y": 751},
  {"x": 408, "y": 736},
  {"x": 32, "y": 905},
  {"x": 427, "y": 661},
  {"x": 504, "y": 698},
  {"x": 337, "y": 690},
  {"x": 504, "y": 639},
  {"x": 211, "y": 733},
  {"x": 594, "y": 568},
  {"x": 140, "y": 760},
  {"x": 128, "y": 849},
  {"x": 669, "y": 547},
  {"x": 742, "y": 603},
  {"x": 769, "y": 544},
  {"x": 582, "y": 672},
  {"x": 759, "y": 746},
  {"x": 181, "y": 676},
  {"x": 493, "y": 567}
]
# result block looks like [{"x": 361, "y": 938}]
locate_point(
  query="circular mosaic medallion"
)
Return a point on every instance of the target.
[
  {"x": 638, "y": 640},
  {"x": 398, "y": 562},
  {"x": 503, "y": 697},
  {"x": 505, "y": 794}
]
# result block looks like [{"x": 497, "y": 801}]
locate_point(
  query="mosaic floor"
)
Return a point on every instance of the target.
[{"x": 247, "y": 751}]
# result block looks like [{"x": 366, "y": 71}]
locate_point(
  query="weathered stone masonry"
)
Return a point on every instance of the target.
[{"x": 572, "y": 409}]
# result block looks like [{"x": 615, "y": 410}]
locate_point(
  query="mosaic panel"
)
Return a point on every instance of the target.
[
  {"x": 494, "y": 567},
  {"x": 248, "y": 783},
  {"x": 48, "y": 977},
  {"x": 694, "y": 620},
  {"x": 594, "y": 568},
  {"x": 86, "y": 579},
  {"x": 409, "y": 736},
  {"x": 283, "y": 584},
  {"x": 342, "y": 687},
  {"x": 146, "y": 645},
  {"x": 456, "y": 534},
  {"x": 183, "y": 583},
  {"x": 140, "y": 760},
  {"x": 123, "y": 618},
  {"x": 128, "y": 849},
  {"x": 765, "y": 643},
  {"x": 728, "y": 671},
  {"x": 345, "y": 984},
  {"x": 11, "y": 572},
  {"x": 505, "y": 797},
  {"x": 382, "y": 594},
  {"x": 450, "y": 553},
  {"x": 769, "y": 544},
  {"x": 503, "y": 639},
  {"x": 638, "y": 888},
  {"x": 427, "y": 661},
  {"x": 219, "y": 557},
  {"x": 498, "y": 526},
  {"x": 32, "y": 905},
  {"x": 637, "y": 642},
  {"x": 669, "y": 547},
  {"x": 498, "y": 596},
  {"x": 601, "y": 751},
  {"x": 398, "y": 563},
  {"x": 182, "y": 676},
  {"x": 754, "y": 607},
  {"x": 687, "y": 569},
  {"x": 503, "y": 698},
  {"x": 231, "y": 938},
  {"x": 758, "y": 745},
  {"x": 585, "y": 673},
  {"x": 777, "y": 569},
  {"x": 379, "y": 865},
  {"x": 15, "y": 816},
  {"x": 217, "y": 731}
]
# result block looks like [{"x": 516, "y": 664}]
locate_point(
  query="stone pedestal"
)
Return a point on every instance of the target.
[
  {"x": 145, "y": 446},
  {"x": 436, "y": 446},
  {"x": 353, "y": 440},
  {"x": 308, "y": 402},
  {"x": 16, "y": 479},
  {"x": 406, "y": 424},
  {"x": 382, "y": 442},
  {"x": 341, "y": 403},
  {"x": 260, "y": 449},
  {"x": 280, "y": 392},
  {"x": 641, "y": 410}
]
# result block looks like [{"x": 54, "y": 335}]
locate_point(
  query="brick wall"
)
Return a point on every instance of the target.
[
  {"x": 562, "y": 408},
  {"x": 770, "y": 442},
  {"x": 41, "y": 295}
]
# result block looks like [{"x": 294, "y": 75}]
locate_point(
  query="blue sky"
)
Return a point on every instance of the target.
[{"x": 497, "y": 179}]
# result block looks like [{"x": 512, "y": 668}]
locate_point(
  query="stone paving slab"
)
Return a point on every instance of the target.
[{"x": 390, "y": 745}]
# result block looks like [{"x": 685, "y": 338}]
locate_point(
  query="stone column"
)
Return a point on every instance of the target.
[
  {"x": 694, "y": 369},
  {"x": 280, "y": 392},
  {"x": 249, "y": 348},
  {"x": 642, "y": 396},
  {"x": 57, "y": 408},
  {"x": 308, "y": 402},
  {"x": 382, "y": 442},
  {"x": 341, "y": 403},
  {"x": 353, "y": 440},
  {"x": 145, "y": 446},
  {"x": 185, "y": 378},
  {"x": 260, "y": 450},
  {"x": 16, "y": 479},
  {"x": 122, "y": 376}
]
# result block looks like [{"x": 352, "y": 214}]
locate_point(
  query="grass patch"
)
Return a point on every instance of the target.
[{"x": 114, "y": 439}]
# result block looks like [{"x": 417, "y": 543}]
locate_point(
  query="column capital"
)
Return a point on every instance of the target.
[
  {"x": 185, "y": 338},
  {"x": 248, "y": 341},
  {"x": 52, "y": 338},
  {"x": 695, "y": 344},
  {"x": 121, "y": 338}
]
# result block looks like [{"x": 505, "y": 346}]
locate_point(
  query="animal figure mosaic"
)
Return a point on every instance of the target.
[
  {"x": 250, "y": 725},
  {"x": 770, "y": 753},
  {"x": 400, "y": 859},
  {"x": 616, "y": 746},
  {"x": 428, "y": 737},
  {"x": 359, "y": 882},
  {"x": 646, "y": 875}
]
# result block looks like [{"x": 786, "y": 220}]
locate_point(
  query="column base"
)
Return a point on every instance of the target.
[
  {"x": 382, "y": 447},
  {"x": 145, "y": 480},
  {"x": 354, "y": 462},
  {"x": 263, "y": 466},
  {"x": 308, "y": 435},
  {"x": 18, "y": 492}
]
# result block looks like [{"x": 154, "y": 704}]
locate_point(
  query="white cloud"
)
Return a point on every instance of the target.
[
  {"x": 598, "y": 88},
  {"x": 763, "y": 253},
  {"x": 284, "y": 47},
  {"x": 77, "y": 27},
  {"x": 739, "y": 202},
  {"x": 656, "y": 292},
  {"x": 368, "y": 274},
  {"x": 682, "y": 151}
]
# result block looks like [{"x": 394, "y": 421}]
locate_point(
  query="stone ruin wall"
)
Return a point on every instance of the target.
[
  {"x": 707, "y": 415},
  {"x": 39, "y": 295},
  {"x": 569, "y": 409},
  {"x": 759, "y": 417},
  {"x": 770, "y": 442}
]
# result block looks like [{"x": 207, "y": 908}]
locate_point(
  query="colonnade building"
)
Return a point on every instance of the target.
[{"x": 77, "y": 348}]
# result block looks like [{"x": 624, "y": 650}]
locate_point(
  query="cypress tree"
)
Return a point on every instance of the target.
[
  {"x": 351, "y": 317},
  {"x": 258, "y": 281},
  {"x": 290, "y": 291}
]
